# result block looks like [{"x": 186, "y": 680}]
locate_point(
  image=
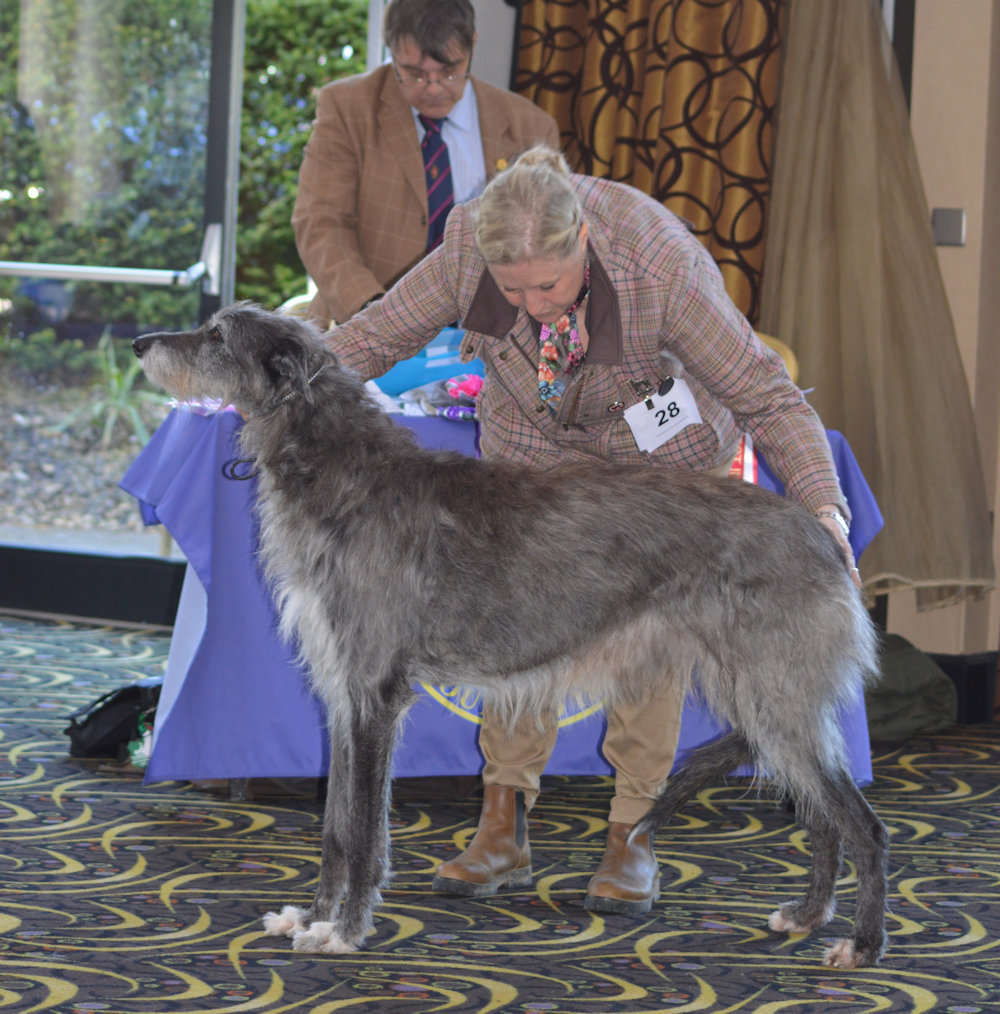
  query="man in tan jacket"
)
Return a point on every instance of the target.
[{"x": 360, "y": 217}]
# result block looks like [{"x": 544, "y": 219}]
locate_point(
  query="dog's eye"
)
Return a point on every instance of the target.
[{"x": 215, "y": 334}]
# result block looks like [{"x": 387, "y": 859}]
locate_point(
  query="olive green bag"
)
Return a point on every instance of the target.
[{"x": 914, "y": 695}]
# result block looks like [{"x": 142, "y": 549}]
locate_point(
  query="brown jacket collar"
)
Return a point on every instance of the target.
[{"x": 489, "y": 313}]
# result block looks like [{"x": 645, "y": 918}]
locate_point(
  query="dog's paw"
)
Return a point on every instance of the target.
[
  {"x": 779, "y": 924},
  {"x": 847, "y": 953},
  {"x": 321, "y": 938},
  {"x": 286, "y": 923},
  {"x": 841, "y": 955},
  {"x": 791, "y": 918}
]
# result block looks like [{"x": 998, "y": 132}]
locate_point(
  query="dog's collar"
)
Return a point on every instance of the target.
[
  {"x": 291, "y": 394},
  {"x": 288, "y": 397}
]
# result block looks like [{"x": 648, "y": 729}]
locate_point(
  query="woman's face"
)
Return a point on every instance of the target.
[{"x": 544, "y": 286}]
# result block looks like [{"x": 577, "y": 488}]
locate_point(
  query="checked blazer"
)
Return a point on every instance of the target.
[
  {"x": 360, "y": 214},
  {"x": 657, "y": 308}
]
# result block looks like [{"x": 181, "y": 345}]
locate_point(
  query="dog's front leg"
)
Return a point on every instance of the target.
[
  {"x": 356, "y": 857},
  {"x": 292, "y": 921}
]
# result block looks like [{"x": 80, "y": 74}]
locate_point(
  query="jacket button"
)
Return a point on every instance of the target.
[
  {"x": 503, "y": 355},
  {"x": 539, "y": 408},
  {"x": 468, "y": 350}
]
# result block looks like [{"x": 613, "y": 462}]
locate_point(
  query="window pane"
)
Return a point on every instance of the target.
[{"x": 103, "y": 117}]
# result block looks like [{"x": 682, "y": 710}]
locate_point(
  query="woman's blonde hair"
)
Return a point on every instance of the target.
[{"x": 529, "y": 210}]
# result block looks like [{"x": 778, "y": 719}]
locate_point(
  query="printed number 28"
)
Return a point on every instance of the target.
[{"x": 664, "y": 415}]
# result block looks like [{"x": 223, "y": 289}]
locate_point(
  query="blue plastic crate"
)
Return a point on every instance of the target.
[{"x": 438, "y": 360}]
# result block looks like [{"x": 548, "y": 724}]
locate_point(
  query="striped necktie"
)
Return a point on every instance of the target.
[{"x": 437, "y": 169}]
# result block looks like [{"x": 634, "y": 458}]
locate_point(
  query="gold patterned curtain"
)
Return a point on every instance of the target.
[{"x": 677, "y": 98}]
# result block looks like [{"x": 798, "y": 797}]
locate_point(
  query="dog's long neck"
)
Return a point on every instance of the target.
[{"x": 329, "y": 427}]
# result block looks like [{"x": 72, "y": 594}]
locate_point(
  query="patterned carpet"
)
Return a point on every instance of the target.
[{"x": 119, "y": 898}]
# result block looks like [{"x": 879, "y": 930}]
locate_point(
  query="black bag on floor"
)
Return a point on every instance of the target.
[{"x": 105, "y": 727}]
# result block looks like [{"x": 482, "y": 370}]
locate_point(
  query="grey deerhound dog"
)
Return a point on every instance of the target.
[{"x": 367, "y": 539}]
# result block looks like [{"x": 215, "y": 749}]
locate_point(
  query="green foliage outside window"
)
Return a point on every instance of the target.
[
  {"x": 101, "y": 147},
  {"x": 291, "y": 50},
  {"x": 103, "y": 112}
]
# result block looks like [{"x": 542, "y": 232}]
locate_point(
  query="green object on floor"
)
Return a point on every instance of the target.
[{"x": 913, "y": 696}]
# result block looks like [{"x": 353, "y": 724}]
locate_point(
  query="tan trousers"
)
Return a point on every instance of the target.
[{"x": 640, "y": 745}]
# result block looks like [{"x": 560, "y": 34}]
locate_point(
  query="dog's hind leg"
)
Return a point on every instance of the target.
[
  {"x": 841, "y": 815},
  {"x": 817, "y": 906},
  {"x": 867, "y": 843}
]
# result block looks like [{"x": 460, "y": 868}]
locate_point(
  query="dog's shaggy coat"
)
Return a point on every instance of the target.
[{"x": 392, "y": 564}]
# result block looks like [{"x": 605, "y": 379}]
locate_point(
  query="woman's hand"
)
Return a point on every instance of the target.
[{"x": 830, "y": 516}]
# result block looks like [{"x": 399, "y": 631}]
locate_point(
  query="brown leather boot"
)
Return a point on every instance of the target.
[
  {"x": 627, "y": 882},
  {"x": 498, "y": 855}
]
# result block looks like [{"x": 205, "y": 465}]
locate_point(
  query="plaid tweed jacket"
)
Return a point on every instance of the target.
[
  {"x": 360, "y": 214},
  {"x": 657, "y": 307}
]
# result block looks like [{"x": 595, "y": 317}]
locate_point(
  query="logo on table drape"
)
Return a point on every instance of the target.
[{"x": 467, "y": 703}]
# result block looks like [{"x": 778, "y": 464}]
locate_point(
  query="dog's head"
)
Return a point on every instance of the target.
[{"x": 243, "y": 355}]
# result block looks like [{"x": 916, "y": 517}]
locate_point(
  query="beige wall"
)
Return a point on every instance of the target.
[
  {"x": 495, "y": 22},
  {"x": 955, "y": 114}
]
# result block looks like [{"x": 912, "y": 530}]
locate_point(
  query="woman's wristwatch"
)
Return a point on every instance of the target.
[{"x": 839, "y": 518}]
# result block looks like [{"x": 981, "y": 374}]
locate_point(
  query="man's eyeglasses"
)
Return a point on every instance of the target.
[{"x": 417, "y": 79}]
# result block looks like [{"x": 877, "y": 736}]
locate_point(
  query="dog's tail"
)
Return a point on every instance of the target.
[
  {"x": 804, "y": 750},
  {"x": 787, "y": 702},
  {"x": 703, "y": 765}
]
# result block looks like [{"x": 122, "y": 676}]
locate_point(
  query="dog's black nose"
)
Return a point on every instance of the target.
[{"x": 142, "y": 343}]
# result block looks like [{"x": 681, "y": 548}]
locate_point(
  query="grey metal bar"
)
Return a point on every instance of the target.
[{"x": 93, "y": 273}]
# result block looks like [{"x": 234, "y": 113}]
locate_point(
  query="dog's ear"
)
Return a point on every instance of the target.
[{"x": 287, "y": 364}]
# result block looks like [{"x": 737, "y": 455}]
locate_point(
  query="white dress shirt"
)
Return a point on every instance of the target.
[{"x": 460, "y": 131}]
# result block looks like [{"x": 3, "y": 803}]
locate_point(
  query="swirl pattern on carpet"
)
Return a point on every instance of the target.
[{"x": 122, "y": 898}]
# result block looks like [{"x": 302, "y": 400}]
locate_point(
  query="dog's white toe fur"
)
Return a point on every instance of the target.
[
  {"x": 321, "y": 938},
  {"x": 781, "y": 922},
  {"x": 286, "y": 923},
  {"x": 841, "y": 955}
]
